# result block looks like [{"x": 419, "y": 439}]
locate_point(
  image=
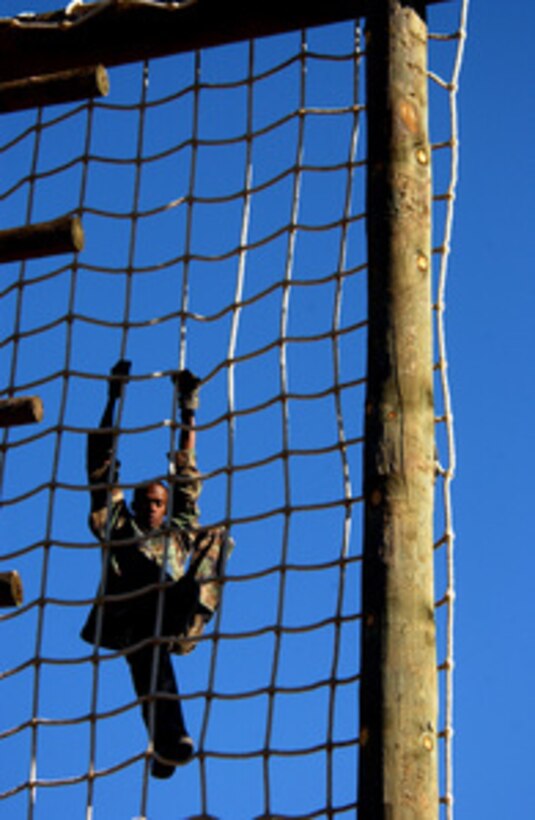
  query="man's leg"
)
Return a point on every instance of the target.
[{"x": 163, "y": 717}]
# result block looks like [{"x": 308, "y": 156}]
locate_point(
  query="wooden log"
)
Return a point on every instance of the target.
[
  {"x": 11, "y": 592},
  {"x": 398, "y": 693},
  {"x": 23, "y": 410},
  {"x": 63, "y": 235},
  {"x": 52, "y": 89},
  {"x": 128, "y": 31}
]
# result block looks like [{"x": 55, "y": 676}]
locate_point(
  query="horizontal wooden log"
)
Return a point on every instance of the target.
[
  {"x": 128, "y": 31},
  {"x": 11, "y": 592},
  {"x": 63, "y": 235},
  {"x": 23, "y": 410},
  {"x": 52, "y": 89}
]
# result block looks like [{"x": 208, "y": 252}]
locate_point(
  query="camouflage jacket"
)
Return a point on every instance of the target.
[
  {"x": 182, "y": 543},
  {"x": 115, "y": 525}
]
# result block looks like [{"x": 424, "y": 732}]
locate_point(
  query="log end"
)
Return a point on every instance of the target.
[
  {"x": 102, "y": 80},
  {"x": 77, "y": 234},
  {"x": 23, "y": 410},
  {"x": 11, "y": 591}
]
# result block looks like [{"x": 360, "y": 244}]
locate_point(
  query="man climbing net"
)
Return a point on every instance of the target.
[{"x": 161, "y": 571}]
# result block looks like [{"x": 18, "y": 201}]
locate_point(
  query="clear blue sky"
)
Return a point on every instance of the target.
[
  {"x": 491, "y": 300},
  {"x": 490, "y": 305}
]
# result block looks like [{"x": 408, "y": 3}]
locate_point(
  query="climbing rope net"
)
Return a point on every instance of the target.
[{"x": 222, "y": 196}]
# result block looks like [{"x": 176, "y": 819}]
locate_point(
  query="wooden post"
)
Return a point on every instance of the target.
[
  {"x": 23, "y": 410},
  {"x": 11, "y": 593},
  {"x": 51, "y": 89},
  {"x": 398, "y": 694},
  {"x": 63, "y": 235}
]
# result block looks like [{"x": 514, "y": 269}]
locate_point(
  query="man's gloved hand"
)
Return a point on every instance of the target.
[
  {"x": 119, "y": 377},
  {"x": 188, "y": 389},
  {"x": 99, "y": 467}
]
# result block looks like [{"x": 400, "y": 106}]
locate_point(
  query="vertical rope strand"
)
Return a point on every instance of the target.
[
  {"x": 342, "y": 438},
  {"x": 231, "y": 405},
  {"x": 186, "y": 259},
  {"x": 123, "y": 348},
  {"x": 448, "y": 471},
  {"x": 197, "y": 69},
  {"x": 130, "y": 274},
  {"x": 32, "y": 793},
  {"x": 72, "y": 297},
  {"x": 283, "y": 371}
]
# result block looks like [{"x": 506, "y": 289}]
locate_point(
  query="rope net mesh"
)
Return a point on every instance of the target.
[{"x": 222, "y": 196}]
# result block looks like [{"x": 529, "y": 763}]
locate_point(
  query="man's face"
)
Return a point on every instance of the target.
[{"x": 151, "y": 507}]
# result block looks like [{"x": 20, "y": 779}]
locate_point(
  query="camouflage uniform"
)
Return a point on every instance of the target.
[
  {"x": 193, "y": 557},
  {"x": 155, "y": 583}
]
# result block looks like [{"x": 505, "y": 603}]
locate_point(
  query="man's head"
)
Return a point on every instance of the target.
[{"x": 150, "y": 505}]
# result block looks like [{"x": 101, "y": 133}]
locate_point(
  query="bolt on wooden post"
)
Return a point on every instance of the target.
[{"x": 398, "y": 694}]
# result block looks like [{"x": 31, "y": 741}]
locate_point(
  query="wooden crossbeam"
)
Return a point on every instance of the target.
[
  {"x": 62, "y": 235},
  {"x": 50, "y": 89},
  {"x": 21, "y": 410},
  {"x": 128, "y": 31}
]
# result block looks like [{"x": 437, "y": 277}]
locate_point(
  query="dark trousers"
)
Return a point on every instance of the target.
[
  {"x": 125, "y": 623},
  {"x": 163, "y": 717}
]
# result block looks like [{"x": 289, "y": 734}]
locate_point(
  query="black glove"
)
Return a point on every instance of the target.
[
  {"x": 119, "y": 376},
  {"x": 188, "y": 389}
]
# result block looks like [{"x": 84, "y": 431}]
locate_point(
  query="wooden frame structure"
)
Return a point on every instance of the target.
[
  {"x": 129, "y": 30},
  {"x": 398, "y": 777}
]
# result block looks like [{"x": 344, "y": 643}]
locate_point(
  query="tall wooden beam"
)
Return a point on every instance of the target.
[
  {"x": 127, "y": 31},
  {"x": 398, "y": 695}
]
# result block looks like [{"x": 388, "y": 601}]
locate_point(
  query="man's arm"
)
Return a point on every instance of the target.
[
  {"x": 187, "y": 486},
  {"x": 101, "y": 467},
  {"x": 188, "y": 387}
]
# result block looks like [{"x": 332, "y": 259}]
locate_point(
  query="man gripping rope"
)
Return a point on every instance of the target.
[{"x": 161, "y": 571}]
